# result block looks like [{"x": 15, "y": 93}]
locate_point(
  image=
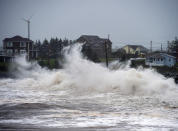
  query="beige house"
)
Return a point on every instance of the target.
[{"x": 135, "y": 49}]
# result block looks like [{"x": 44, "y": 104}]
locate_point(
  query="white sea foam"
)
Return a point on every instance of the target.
[
  {"x": 83, "y": 76},
  {"x": 89, "y": 94}
]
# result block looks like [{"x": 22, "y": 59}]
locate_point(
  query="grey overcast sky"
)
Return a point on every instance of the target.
[{"x": 127, "y": 21}]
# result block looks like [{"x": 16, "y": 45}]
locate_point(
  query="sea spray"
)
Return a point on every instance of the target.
[
  {"x": 86, "y": 94},
  {"x": 82, "y": 76}
]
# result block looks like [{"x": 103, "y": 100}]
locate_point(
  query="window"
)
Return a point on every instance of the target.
[
  {"x": 9, "y": 44},
  {"x": 22, "y": 51},
  {"x": 16, "y": 51},
  {"x": 22, "y": 44},
  {"x": 150, "y": 59},
  {"x": 9, "y": 51}
]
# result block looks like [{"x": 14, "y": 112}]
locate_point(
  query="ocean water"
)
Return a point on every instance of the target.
[{"x": 86, "y": 95}]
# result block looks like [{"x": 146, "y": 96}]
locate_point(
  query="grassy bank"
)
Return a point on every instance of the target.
[
  {"x": 109, "y": 59},
  {"x": 4, "y": 66},
  {"x": 49, "y": 63}
]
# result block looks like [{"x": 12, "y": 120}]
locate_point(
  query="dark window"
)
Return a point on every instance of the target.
[
  {"x": 22, "y": 44},
  {"x": 9, "y": 44}
]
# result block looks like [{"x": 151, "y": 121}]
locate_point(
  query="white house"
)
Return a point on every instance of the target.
[{"x": 160, "y": 59}]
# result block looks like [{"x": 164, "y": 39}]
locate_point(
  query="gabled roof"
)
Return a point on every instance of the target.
[
  {"x": 157, "y": 55},
  {"x": 165, "y": 54},
  {"x": 90, "y": 38},
  {"x": 17, "y": 38},
  {"x": 160, "y": 55},
  {"x": 93, "y": 39}
]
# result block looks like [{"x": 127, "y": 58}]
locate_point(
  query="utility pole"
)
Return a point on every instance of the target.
[
  {"x": 151, "y": 46},
  {"x": 28, "y": 22},
  {"x": 161, "y": 47},
  {"x": 108, "y": 36},
  {"x": 168, "y": 46},
  {"x": 106, "y": 53},
  {"x": 28, "y": 29},
  {"x": 28, "y": 26},
  {"x": 106, "y": 50}
]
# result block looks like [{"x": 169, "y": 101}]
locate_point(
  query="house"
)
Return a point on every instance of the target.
[
  {"x": 96, "y": 45},
  {"x": 3, "y": 57},
  {"x": 135, "y": 49},
  {"x": 160, "y": 59},
  {"x": 1, "y": 51},
  {"x": 18, "y": 45}
]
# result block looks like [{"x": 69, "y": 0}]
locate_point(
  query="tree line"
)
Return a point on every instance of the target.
[
  {"x": 173, "y": 46},
  {"x": 52, "y": 48}
]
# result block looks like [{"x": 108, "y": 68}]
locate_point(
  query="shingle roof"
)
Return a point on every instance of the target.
[
  {"x": 90, "y": 38},
  {"x": 17, "y": 38},
  {"x": 160, "y": 55},
  {"x": 93, "y": 39}
]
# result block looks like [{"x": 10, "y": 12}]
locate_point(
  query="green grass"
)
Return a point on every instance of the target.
[
  {"x": 51, "y": 63},
  {"x": 109, "y": 59}
]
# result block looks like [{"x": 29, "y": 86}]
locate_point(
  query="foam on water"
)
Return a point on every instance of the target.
[
  {"x": 83, "y": 76},
  {"x": 90, "y": 89}
]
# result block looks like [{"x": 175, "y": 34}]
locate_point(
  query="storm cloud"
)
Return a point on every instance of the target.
[{"x": 127, "y": 21}]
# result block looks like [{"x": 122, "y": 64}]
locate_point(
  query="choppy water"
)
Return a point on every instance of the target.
[{"x": 88, "y": 95}]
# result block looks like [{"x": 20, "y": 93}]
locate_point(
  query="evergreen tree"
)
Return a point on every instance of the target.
[{"x": 173, "y": 46}]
